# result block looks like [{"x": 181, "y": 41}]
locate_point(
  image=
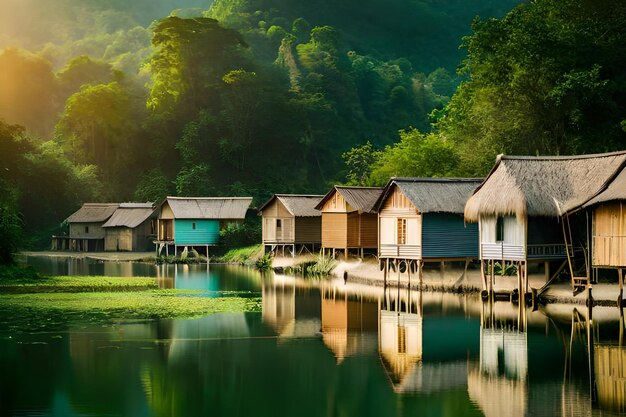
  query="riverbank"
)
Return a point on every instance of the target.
[
  {"x": 98, "y": 256},
  {"x": 453, "y": 279},
  {"x": 236, "y": 256}
]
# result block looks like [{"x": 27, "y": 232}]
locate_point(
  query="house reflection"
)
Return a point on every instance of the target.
[
  {"x": 349, "y": 322},
  {"x": 291, "y": 308},
  {"x": 498, "y": 385},
  {"x": 401, "y": 347}
]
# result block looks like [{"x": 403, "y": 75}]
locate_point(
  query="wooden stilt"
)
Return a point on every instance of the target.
[
  {"x": 385, "y": 270},
  {"x": 621, "y": 288},
  {"x": 408, "y": 274},
  {"x": 491, "y": 277},
  {"x": 526, "y": 276},
  {"x": 420, "y": 271},
  {"x": 483, "y": 276}
]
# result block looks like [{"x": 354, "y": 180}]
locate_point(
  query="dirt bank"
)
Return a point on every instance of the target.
[{"x": 455, "y": 278}]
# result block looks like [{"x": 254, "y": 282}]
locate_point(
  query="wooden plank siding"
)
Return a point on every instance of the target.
[
  {"x": 368, "y": 235},
  {"x": 395, "y": 208},
  {"x": 308, "y": 230},
  {"x": 335, "y": 230},
  {"x": 344, "y": 227},
  {"x": 118, "y": 239},
  {"x": 609, "y": 235},
  {"x": 196, "y": 232},
  {"x": 276, "y": 214},
  {"x": 445, "y": 235},
  {"x": 87, "y": 230}
]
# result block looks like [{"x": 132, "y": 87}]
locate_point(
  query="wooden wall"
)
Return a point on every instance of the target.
[
  {"x": 309, "y": 229},
  {"x": 118, "y": 239},
  {"x": 87, "y": 230},
  {"x": 446, "y": 235},
  {"x": 271, "y": 234},
  {"x": 336, "y": 204},
  {"x": 609, "y": 235},
  {"x": 369, "y": 230},
  {"x": 335, "y": 230},
  {"x": 396, "y": 207}
]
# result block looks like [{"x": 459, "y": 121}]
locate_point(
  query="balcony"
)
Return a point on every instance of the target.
[{"x": 400, "y": 251}]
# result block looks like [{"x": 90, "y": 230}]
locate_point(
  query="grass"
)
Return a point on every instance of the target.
[
  {"x": 75, "y": 284},
  {"x": 41, "y": 311},
  {"x": 245, "y": 255}
]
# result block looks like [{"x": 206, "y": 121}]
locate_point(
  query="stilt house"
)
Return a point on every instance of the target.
[
  {"x": 349, "y": 219},
  {"x": 421, "y": 219},
  {"x": 608, "y": 231},
  {"x": 528, "y": 210},
  {"x": 86, "y": 228},
  {"x": 132, "y": 227},
  {"x": 290, "y": 222},
  {"x": 195, "y": 222}
]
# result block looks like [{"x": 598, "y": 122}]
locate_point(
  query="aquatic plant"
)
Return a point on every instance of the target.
[
  {"x": 264, "y": 263},
  {"x": 507, "y": 270},
  {"x": 322, "y": 266}
]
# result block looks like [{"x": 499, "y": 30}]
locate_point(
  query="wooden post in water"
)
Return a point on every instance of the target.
[
  {"x": 420, "y": 272},
  {"x": 491, "y": 277},
  {"x": 483, "y": 276}
]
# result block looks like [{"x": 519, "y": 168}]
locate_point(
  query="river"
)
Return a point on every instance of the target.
[{"x": 318, "y": 348}]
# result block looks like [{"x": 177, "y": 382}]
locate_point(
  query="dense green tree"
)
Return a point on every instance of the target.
[
  {"x": 84, "y": 70},
  {"x": 153, "y": 186},
  {"x": 41, "y": 185},
  {"x": 415, "y": 155},
  {"x": 10, "y": 222},
  {"x": 360, "y": 161},
  {"x": 191, "y": 57},
  {"x": 97, "y": 127},
  {"x": 547, "y": 79}
]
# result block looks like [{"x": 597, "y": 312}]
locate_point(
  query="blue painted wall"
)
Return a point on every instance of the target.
[
  {"x": 445, "y": 235},
  {"x": 207, "y": 232}
]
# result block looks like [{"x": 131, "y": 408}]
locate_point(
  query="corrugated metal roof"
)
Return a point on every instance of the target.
[
  {"x": 93, "y": 213},
  {"x": 130, "y": 215},
  {"x": 361, "y": 198},
  {"x": 434, "y": 195},
  {"x": 299, "y": 205},
  {"x": 209, "y": 207}
]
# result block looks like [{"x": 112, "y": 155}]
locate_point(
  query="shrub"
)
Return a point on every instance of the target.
[{"x": 264, "y": 263}]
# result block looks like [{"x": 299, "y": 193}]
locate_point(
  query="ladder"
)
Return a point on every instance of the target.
[{"x": 579, "y": 283}]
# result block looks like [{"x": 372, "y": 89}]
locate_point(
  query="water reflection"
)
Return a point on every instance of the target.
[
  {"x": 324, "y": 348},
  {"x": 291, "y": 311},
  {"x": 349, "y": 322},
  {"x": 498, "y": 383}
]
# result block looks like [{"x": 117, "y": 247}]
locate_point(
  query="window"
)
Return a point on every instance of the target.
[
  {"x": 193, "y": 226},
  {"x": 500, "y": 229},
  {"x": 279, "y": 223},
  {"x": 401, "y": 231},
  {"x": 86, "y": 229}
]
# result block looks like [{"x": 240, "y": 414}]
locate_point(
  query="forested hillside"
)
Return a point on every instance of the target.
[{"x": 113, "y": 101}]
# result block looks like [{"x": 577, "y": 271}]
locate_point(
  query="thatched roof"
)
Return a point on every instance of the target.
[
  {"x": 547, "y": 186},
  {"x": 93, "y": 213},
  {"x": 615, "y": 191},
  {"x": 299, "y": 205},
  {"x": 361, "y": 198},
  {"x": 433, "y": 195},
  {"x": 130, "y": 215},
  {"x": 225, "y": 208}
]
